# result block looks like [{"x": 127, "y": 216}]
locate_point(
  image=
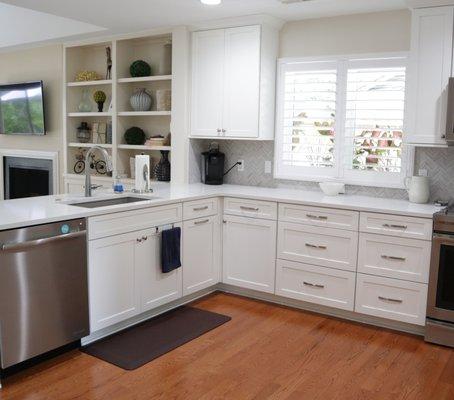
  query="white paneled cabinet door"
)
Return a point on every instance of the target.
[
  {"x": 429, "y": 71},
  {"x": 155, "y": 287},
  {"x": 249, "y": 253},
  {"x": 201, "y": 252},
  {"x": 242, "y": 82},
  {"x": 113, "y": 295},
  {"x": 207, "y": 83}
]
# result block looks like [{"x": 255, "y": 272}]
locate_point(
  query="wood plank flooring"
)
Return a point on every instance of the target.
[{"x": 265, "y": 352}]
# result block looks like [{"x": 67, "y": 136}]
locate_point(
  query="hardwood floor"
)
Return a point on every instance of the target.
[{"x": 265, "y": 352}]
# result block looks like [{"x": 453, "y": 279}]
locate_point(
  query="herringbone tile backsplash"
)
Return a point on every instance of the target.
[{"x": 438, "y": 162}]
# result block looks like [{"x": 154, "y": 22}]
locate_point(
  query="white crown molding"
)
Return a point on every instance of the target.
[
  {"x": 429, "y": 3},
  {"x": 256, "y": 19}
]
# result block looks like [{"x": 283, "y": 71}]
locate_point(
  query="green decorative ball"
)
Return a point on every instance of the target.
[
  {"x": 140, "y": 68},
  {"x": 99, "y": 96},
  {"x": 135, "y": 136}
]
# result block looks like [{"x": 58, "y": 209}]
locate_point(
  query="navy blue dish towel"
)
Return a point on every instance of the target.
[{"x": 170, "y": 249}]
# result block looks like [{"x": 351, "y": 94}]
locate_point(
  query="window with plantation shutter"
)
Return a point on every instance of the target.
[{"x": 342, "y": 119}]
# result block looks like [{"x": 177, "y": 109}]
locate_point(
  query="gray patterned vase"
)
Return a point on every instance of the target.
[{"x": 140, "y": 100}]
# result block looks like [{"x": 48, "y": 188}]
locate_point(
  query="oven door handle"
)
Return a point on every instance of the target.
[{"x": 40, "y": 242}]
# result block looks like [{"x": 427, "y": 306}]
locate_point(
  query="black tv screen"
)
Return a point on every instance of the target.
[{"x": 22, "y": 109}]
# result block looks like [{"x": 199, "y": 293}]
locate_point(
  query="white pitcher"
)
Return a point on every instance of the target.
[{"x": 418, "y": 189}]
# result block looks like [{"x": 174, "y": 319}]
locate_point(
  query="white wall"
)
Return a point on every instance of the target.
[
  {"x": 42, "y": 63},
  {"x": 350, "y": 34}
]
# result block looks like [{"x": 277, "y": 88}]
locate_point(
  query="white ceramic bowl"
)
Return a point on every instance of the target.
[{"x": 332, "y": 188}]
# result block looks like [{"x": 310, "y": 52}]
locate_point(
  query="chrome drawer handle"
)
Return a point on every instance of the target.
[
  {"x": 139, "y": 240},
  {"x": 315, "y": 285},
  {"x": 144, "y": 238},
  {"x": 201, "y": 222},
  {"x": 390, "y": 299},
  {"x": 395, "y": 226},
  {"x": 249, "y": 208},
  {"x": 320, "y": 217},
  {"x": 200, "y": 208},
  {"x": 393, "y": 258},
  {"x": 314, "y": 246}
]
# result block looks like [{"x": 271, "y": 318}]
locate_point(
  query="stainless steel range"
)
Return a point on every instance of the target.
[{"x": 440, "y": 303}]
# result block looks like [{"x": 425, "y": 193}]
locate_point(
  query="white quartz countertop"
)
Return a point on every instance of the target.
[{"x": 39, "y": 210}]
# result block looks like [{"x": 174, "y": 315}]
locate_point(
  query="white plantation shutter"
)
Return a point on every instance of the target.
[
  {"x": 374, "y": 117},
  {"x": 342, "y": 119},
  {"x": 308, "y": 117}
]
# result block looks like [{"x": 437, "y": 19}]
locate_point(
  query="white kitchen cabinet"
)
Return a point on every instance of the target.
[
  {"x": 112, "y": 280},
  {"x": 155, "y": 287},
  {"x": 429, "y": 70},
  {"x": 201, "y": 254},
  {"x": 249, "y": 253},
  {"x": 233, "y": 79},
  {"x": 125, "y": 277}
]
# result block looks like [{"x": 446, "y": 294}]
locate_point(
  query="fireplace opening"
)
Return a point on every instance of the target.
[{"x": 27, "y": 177}]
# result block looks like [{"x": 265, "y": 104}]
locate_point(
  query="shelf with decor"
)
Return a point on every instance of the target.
[
  {"x": 101, "y": 82},
  {"x": 145, "y": 79},
  {"x": 141, "y": 64}
]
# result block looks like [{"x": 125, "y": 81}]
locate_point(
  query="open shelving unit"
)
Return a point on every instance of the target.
[{"x": 91, "y": 56}]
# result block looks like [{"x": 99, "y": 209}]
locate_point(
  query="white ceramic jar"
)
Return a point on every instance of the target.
[{"x": 418, "y": 189}]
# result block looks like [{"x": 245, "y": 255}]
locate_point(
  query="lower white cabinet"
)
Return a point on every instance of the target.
[
  {"x": 327, "y": 247},
  {"x": 319, "y": 285},
  {"x": 201, "y": 253},
  {"x": 391, "y": 298},
  {"x": 249, "y": 252},
  {"x": 125, "y": 277},
  {"x": 155, "y": 287}
]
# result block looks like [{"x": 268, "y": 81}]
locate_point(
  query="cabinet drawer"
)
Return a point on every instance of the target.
[
  {"x": 391, "y": 298},
  {"x": 200, "y": 208},
  {"x": 326, "y": 247},
  {"x": 396, "y": 225},
  {"x": 129, "y": 221},
  {"x": 330, "y": 218},
  {"x": 325, "y": 286},
  {"x": 407, "y": 259},
  {"x": 250, "y": 208}
]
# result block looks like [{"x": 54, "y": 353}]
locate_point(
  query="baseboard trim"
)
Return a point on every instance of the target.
[{"x": 332, "y": 312}]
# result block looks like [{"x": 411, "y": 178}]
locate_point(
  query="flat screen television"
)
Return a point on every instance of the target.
[{"x": 22, "y": 109}]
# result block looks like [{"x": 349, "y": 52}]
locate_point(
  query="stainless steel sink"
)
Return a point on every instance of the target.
[{"x": 109, "y": 202}]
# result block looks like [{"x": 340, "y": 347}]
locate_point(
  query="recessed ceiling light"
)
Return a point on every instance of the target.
[{"x": 211, "y": 2}]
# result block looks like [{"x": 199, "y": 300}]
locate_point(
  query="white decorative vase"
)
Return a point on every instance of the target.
[
  {"x": 164, "y": 100},
  {"x": 140, "y": 100}
]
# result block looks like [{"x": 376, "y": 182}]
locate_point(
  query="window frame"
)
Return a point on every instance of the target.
[{"x": 339, "y": 173}]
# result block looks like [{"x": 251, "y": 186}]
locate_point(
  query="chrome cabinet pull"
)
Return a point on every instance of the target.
[
  {"x": 390, "y": 299},
  {"x": 144, "y": 238},
  {"x": 315, "y": 285},
  {"x": 200, "y": 208},
  {"x": 201, "y": 222},
  {"x": 138, "y": 240},
  {"x": 393, "y": 258},
  {"x": 320, "y": 217},
  {"x": 249, "y": 208},
  {"x": 314, "y": 246},
  {"x": 395, "y": 226},
  {"x": 218, "y": 130}
]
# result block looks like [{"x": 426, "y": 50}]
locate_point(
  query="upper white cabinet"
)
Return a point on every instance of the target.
[
  {"x": 430, "y": 68},
  {"x": 233, "y": 80}
]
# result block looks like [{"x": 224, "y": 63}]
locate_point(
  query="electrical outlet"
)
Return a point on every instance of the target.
[
  {"x": 423, "y": 172},
  {"x": 241, "y": 166},
  {"x": 267, "y": 167}
]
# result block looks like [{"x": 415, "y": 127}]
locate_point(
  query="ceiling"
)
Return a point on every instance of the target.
[{"x": 121, "y": 16}]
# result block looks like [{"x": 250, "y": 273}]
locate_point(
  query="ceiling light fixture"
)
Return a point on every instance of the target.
[{"x": 211, "y": 2}]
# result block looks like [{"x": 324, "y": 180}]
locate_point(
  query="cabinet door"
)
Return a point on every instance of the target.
[
  {"x": 207, "y": 82},
  {"x": 155, "y": 287},
  {"x": 201, "y": 242},
  {"x": 428, "y": 75},
  {"x": 112, "y": 283},
  {"x": 249, "y": 253},
  {"x": 242, "y": 82}
]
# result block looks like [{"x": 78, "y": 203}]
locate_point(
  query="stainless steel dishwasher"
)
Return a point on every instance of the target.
[{"x": 43, "y": 289}]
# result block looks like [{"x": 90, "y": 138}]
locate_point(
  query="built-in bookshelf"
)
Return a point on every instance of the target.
[{"x": 117, "y": 114}]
